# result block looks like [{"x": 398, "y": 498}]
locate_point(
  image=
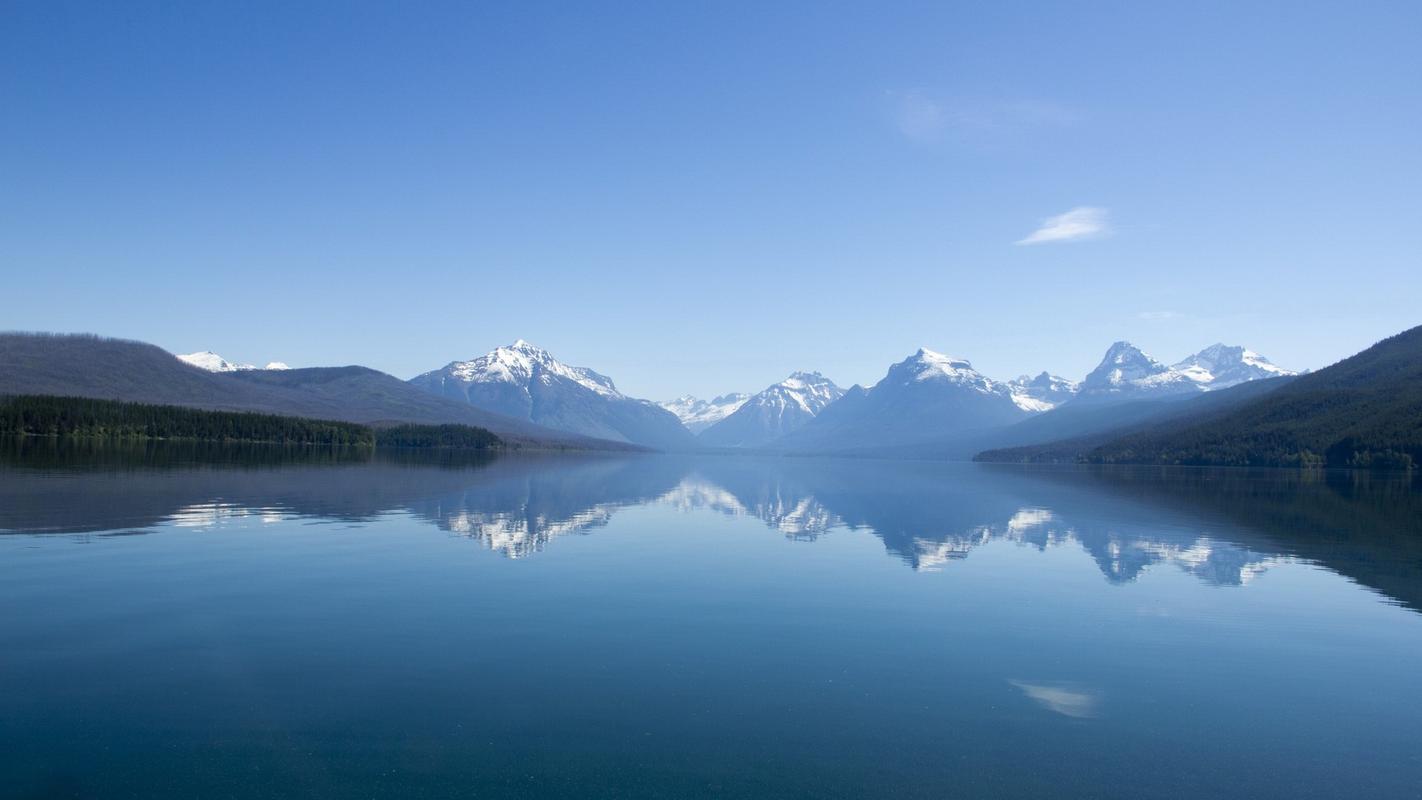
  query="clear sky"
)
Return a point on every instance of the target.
[{"x": 703, "y": 197}]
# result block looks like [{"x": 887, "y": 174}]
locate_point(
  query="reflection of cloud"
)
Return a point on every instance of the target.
[
  {"x": 1027, "y": 519},
  {"x": 1063, "y": 700},
  {"x": 1082, "y": 222}
]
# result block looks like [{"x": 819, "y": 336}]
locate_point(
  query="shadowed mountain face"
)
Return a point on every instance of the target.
[
  {"x": 1224, "y": 527},
  {"x": 87, "y": 366}
]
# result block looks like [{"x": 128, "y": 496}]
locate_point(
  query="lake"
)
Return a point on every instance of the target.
[{"x": 259, "y": 622}]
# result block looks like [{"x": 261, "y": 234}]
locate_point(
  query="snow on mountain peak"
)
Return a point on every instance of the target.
[
  {"x": 1042, "y": 393},
  {"x": 1126, "y": 369},
  {"x": 810, "y": 391},
  {"x": 1220, "y": 366},
  {"x": 775, "y": 411},
  {"x": 698, "y": 415},
  {"x": 524, "y": 361},
  {"x": 1124, "y": 364},
  {"x": 927, "y": 364},
  {"x": 212, "y": 362}
]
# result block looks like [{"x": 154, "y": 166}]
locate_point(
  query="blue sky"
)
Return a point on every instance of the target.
[{"x": 704, "y": 197}]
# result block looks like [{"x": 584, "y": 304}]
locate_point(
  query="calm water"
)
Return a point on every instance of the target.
[{"x": 261, "y": 623}]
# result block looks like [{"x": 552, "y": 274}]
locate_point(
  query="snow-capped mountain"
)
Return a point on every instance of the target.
[
  {"x": 1042, "y": 393},
  {"x": 925, "y": 396},
  {"x": 780, "y": 409},
  {"x": 1220, "y": 366},
  {"x": 527, "y": 382},
  {"x": 698, "y": 415},
  {"x": 1128, "y": 373},
  {"x": 213, "y": 362}
]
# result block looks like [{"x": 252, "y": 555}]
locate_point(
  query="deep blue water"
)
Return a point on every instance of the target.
[{"x": 246, "y": 623}]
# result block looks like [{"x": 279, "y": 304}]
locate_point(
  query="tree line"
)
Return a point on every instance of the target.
[{"x": 47, "y": 415}]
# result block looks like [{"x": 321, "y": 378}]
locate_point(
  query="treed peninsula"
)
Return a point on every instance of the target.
[{"x": 80, "y": 417}]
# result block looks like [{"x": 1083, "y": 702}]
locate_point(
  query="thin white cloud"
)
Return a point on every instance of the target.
[
  {"x": 1062, "y": 700},
  {"x": 1159, "y": 316},
  {"x": 1082, "y": 222},
  {"x": 924, "y": 116},
  {"x": 918, "y": 116}
]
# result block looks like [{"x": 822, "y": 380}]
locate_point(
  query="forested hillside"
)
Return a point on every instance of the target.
[
  {"x": 44, "y": 415},
  {"x": 1364, "y": 411}
]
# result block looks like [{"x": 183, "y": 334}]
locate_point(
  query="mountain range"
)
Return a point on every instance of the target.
[
  {"x": 927, "y": 405},
  {"x": 698, "y": 415},
  {"x": 1128, "y": 373}
]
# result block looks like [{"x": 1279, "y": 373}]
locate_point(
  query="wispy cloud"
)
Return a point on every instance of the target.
[
  {"x": 924, "y": 116},
  {"x": 1159, "y": 316},
  {"x": 917, "y": 115},
  {"x": 1063, "y": 700},
  {"x": 1083, "y": 222}
]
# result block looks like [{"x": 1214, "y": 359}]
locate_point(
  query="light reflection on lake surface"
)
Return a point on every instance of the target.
[{"x": 203, "y": 621}]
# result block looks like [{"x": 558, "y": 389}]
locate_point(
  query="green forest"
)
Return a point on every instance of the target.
[
  {"x": 44, "y": 415},
  {"x": 463, "y": 437}
]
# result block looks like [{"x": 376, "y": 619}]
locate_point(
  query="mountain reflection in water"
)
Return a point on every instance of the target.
[{"x": 1224, "y": 527}]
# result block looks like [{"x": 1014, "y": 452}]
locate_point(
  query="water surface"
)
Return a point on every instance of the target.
[{"x": 250, "y": 622}]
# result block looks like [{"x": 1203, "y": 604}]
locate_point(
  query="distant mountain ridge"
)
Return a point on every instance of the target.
[
  {"x": 1127, "y": 373},
  {"x": 774, "y": 412},
  {"x": 1220, "y": 366},
  {"x": 927, "y": 394},
  {"x": 698, "y": 415},
  {"x": 212, "y": 362},
  {"x": 526, "y": 382},
  {"x": 1042, "y": 393}
]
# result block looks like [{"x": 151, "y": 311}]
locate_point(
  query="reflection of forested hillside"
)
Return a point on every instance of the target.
[{"x": 1367, "y": 527}]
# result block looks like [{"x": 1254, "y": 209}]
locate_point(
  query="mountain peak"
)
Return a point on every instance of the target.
[
  {"x": 933, "y": 356},
  {"x": 1126, "y": 369},
  {"x": 777, "y": 410},
  {"x": 1123, "y": 350},
  {"x": 927, "y": 364},
  {"x": 525, "y": 381},
  {"x": 522, "y": 362},
  {"x": 525, "y": 347},
  {"x": 1219, "y": 366},
  {"x": 212, "y": 362},
  {"x": 698, "y": 415},
  {"x": 1042, "y": 393}
]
